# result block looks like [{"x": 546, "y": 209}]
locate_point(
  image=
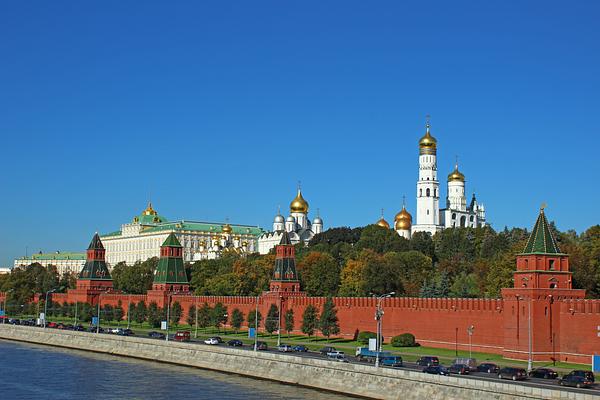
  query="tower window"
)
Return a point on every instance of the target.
[
  {"x": 428, "y": 192},
  {"x": 434, "y": 192},
  {"x": 551, "y": 265},
  {"x": 427, "y": 212},
  {"x": 420, "y": 192}
]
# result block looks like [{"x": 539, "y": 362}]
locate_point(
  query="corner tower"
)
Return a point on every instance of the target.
[
  {"x": 170, "y": 274},
  {"x": 94, "y": 277},
  {"x": 428, "y": 187},
  {"x": 285, "y": 277}
]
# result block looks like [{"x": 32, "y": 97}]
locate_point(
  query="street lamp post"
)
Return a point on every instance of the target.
[
  {"x": 378, "y": 316},
  {"x": 76, "y": 304},
  {"x": 168, "y": 315},
  {"x": 98, "y": 321},
  {"x": 196, "y": 333},
  {"x": 279, "y": 322},
  {"x": 5, "y": 299},
  {"x": 128, "y": 310},
  {"x": 256, "y": 326},
  {"x": 470, "y": 331},
  {"x": 529, "y": 338},
  {"x": 46, "y": 306}
]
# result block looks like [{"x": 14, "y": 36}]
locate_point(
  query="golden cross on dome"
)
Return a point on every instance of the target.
[
  {"x": 543, "y": 206},
  {"x": 403, "y": 201},
  {"x": 427, "y": 119},
  {"x": 382, "y": 213}
]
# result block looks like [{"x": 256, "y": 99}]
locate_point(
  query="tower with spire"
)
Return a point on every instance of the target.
[
  {"x": 285, "y": 277},
  {"x": 170, "y": 273},
  {"x": 94, "y": 277}
]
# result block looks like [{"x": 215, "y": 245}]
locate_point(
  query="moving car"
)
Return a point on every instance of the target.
[
  {"x": 436, "y": 370},
  {"x": 261, "y": 345},
  {"x": 211, "y": 341},
  {"x": 544, "y": 373},
  {"x": 285, "y": 348},
  {"x": 490, "y": 368},
  {"x": 469, "y": 362},
  {"x": 584, "y": 374},
  {"x": 393, "y": 361},
  {"x": 337, "y": 357},
  {"x": 336, "y": 353},
  {"x": 300, "y": 348},
  {"x": 327, "y": 349},
  {"x": 428, "y": 361},
  {"x": 516, "y": 374},
  {"x": 182, "y": 336},
  {"x": 461, "y": 369},
  {"x": 156, "y": 335},
  {"x": 235, "y": 343},
  {"x": 575, "y": 381}
]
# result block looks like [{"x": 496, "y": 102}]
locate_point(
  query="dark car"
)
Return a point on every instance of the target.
[
  {"x": 14, "y": 321},
  {"x": 327, "y": 349},
  {"x": 95, "y": 329},
  {"x": 436, "y": 370},
  {"x": 28, "y": 322},
  {"x": 428, "y": 361},
  {"x": 460, "y": 369},
  {"x": 575, "y": 381},
  {"x": 516, "y": 374},
  {"x": 218, "y": 339},
  {"x": 584, "y": 374},
  {"x": 156, "y": 335},
  {"x": 79, "y": 328},
  {"x": 261, "y": 345},
  {"x": 235, "y": 343},
  {"x": 544, "y": 373},
  {"x": 490, "y": 368},
  {"x": 301, "y": 348}
]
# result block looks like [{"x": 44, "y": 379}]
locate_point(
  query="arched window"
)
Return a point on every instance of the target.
[
  {"x": 463, "y": 221},
  {"x": 420, "y": 192},
  {"x": 434, "y": 192},
  {"x": 428, "y": 192}
]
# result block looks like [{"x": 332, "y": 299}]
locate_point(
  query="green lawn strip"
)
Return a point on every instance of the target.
[{"x": 410, "y": 354}]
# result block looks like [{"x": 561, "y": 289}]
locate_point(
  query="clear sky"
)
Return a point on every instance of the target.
[{"x": 217, "y": 109}]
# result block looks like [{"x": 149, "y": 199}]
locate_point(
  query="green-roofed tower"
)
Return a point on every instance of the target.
[
  {"x": 541, "y": 240},
  {"x": 285, "y": 277},
  {"x": 170, "y": 273},
  {"x": 95, "y": 266}
]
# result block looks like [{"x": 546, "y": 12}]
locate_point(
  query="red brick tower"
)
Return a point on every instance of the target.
[
  {"x": 531, "y": 309},
  {"x": 170, "y": 277},
  {"x": 285, "y": 278},
  {"x": 94, "y": 278}
]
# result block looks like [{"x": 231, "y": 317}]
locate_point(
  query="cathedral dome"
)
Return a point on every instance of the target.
[
  {"x": 279, "y": 218},
  {"x": 291, "y": 219},
  {"x": 318, "y": 220},
  {"x": 456, "y": 175},
  {"x": 299, "y": 205},
  {"x": 383, "y": 223},
  {"x": 403, "y": 220},
  {"x": 427, "y": 144},
  {"x": 149, "y": 216},
  {"x": 149, "y": 210},
  {"x": 227, "y": 228}
]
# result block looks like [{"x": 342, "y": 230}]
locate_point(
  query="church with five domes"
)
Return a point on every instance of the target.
[
  {"x": 297, "y": 225},
  {"x": 430, "y": 217}
]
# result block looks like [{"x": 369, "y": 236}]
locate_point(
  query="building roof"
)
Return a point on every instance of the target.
[
  {"x": 171, "y": 241},
  {"x": 541, "y": 240},
  {"x": 59, "y": 255},
  {"x": 96, "y": 243},
  {"x": 183, "y": 225}
]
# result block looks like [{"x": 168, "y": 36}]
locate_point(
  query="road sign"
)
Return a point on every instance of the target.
[
  {"x": 470, "y": 330},
  {"x": 42, "y": 316},
  {"x": 596, "y": 363},
  {"x": 251, "y": 333},
  {"x": 2, "y": 313},
  {"x": 95, "y": 321},
  {"x": 372, "y": 344},
  {"x": 163, "y": 325}
]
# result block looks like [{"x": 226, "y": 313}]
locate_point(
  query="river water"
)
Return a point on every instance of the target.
[{"x": 40, "y": 372}]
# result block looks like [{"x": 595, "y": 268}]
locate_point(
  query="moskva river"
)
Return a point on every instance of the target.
[{"x": 40, "y": 372}]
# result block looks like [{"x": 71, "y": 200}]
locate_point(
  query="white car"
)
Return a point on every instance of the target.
[
  {"x": 211, "y": 340},
  {"x": 337, "y": 357},
  {"x": 336, "y": 353},
  {"x": 285, "y": 348}
]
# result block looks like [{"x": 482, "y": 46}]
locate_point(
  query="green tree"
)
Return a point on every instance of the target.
[
  {"x": 219, "y": 315},
  {"x": 118, "y": 312},
  {"x": 204, "y": 316},
  {"x": 289, "y": 321},
  {"x": 141, "y": 312},
  {"x": 272, "y": 320},
  {"x": 108, "y": 313},
  {"x": 155, "y": 315},
  {"x": 464, "y": 285},
  {"x": 237, "y": 318},
  {"x": 319, "y": 274},
  {"x": 136, "y": 278},
  {"x": 175, "y": 313},
  {"x": 86, "y": 311},
  {"x": 310, "y": 320},
  {"x": 328, "y": 321},
  {"x": 191, "y": 316},
  {"x": 254, "y": 319}
]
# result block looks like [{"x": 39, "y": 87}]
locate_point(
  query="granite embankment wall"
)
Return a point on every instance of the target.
[{"x": 360, "y": 380}]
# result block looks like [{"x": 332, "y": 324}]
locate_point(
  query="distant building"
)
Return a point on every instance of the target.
[
  {"x": 63, "y": 261},
  {"x": 5, "y": 270},
  {"x": 299, "y": 228},
  {"x": 142, "y": 238}
]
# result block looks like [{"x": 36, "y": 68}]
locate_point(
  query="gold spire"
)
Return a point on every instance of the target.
[
  {"x": 149, "y": 210},
  {"x": 427, "y": 144},
  {"x": 299, "y": 205}
]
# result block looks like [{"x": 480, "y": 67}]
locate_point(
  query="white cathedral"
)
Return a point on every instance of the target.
[
  {"x": 430, "y": 218},
  {"x": 297, "y": 225}
]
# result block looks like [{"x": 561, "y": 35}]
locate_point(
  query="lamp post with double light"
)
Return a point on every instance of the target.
[
  {"x": 378, "y": 317},
  {"x": 46, "y": 306}
]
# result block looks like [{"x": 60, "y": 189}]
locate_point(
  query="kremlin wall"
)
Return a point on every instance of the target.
[{"x": 564, "y": 326}]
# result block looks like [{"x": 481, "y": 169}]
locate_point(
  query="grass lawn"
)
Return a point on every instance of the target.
[{"x": 409, "y": 354}]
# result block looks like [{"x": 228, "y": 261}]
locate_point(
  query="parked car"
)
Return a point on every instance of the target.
[
  {"x": 336, "y": 353},
  {"x": 300, "y": 348},
  {"x": 218, "y": 339},
  {"x": 490, "y": 368},
  {"x": 211, "y": 341},
  {"x": 469, "y": 362},
  {"x": 544, "y": 373},
  {"x": 79, "y": 328},
  {"x": 28, "y": 322},
  {"x": 128, "y": 332},
  {"x": 584, "y": 374},
  {"x": 327, "y": 349},
  {"x": 428, "y": 361},
  {"x": 14, "y": 321},
  {"x": 575, "y": 381},
  {"x": 235, "y": 343},
  {"x": 182, "y": 336},
  {"x": 436, "y": 370},
  {"x": 285, "y": 348},
  {"x": 261, "y": 345},
  {"x": 51, "y": 324},
  {"x": 460, "y": 369},
  {"x": 156, "y": 335},
  {"x": 516, "y": 374}
]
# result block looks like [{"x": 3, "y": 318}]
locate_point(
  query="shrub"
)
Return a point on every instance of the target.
[
  {"x": 404, "y": 340},
  {"x": 363, "y": 337}
]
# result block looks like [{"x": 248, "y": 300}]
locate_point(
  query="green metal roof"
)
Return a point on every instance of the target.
[
  {"x": 171, "y": 241},
  {"x": 208, "y": 227},
  {"x": 541, "y": 240},
  {"x": 56, "y": 256}
]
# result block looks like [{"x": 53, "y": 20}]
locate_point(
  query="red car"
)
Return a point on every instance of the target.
[{"x": 182, "y": 336}]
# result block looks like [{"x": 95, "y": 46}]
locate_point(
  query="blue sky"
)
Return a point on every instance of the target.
[{"x": 217, "y": 110}]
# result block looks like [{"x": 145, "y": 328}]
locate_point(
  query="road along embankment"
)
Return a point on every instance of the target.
[{"x": 352, "y": 379}]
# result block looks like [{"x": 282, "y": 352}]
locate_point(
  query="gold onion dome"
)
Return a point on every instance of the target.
[
  {"x": 456, "y": 175},
  {"x": 427, "y": 144},
  {"x": 299, "y": 205},
  {"x": 383, "y": 223},
  {"x": 403, "y": 220},
  {"x": 227, "y": 228},
  {"x": 149, "y": 210}
]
